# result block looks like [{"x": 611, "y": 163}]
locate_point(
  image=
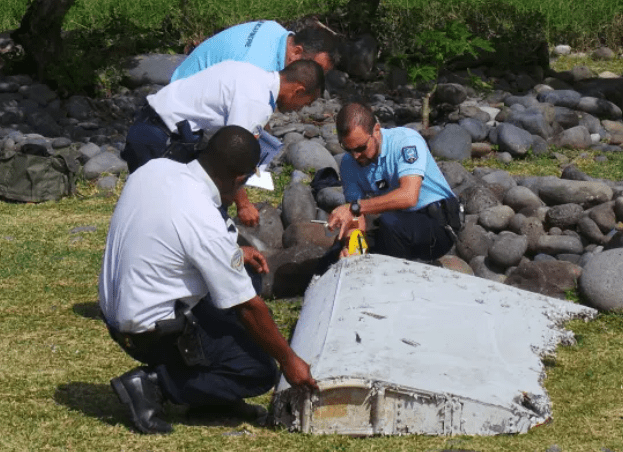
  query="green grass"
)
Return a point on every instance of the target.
[
  {"x": 582, "y": 23},
  {"x": 57, "y": 358}
]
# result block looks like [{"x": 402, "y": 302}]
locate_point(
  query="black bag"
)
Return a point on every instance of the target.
[{"x": 30, "y": 177}]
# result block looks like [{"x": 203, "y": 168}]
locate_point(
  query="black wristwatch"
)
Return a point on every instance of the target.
[{"x": 355, "y": 208}]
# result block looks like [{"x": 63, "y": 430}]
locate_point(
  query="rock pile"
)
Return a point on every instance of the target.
[{"x": 538, "y": 233}]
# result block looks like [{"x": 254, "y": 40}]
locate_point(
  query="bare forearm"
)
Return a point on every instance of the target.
[
  {"x": 394, "y": 200},
  {"x": 256, "y": 318},
  {"x": 241, "y": 199}
]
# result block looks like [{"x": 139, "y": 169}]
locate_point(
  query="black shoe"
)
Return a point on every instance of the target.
[
  {"x": 255, "y": 414},
  {"x": 140, "y": 391}
]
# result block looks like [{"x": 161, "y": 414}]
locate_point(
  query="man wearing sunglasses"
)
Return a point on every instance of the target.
[{"x": 391, "y": 173}]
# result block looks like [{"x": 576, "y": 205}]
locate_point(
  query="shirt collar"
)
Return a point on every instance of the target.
[
  {"x": 196, "y": 169},
  {"x": 384, "y": 150},
  {"x": 283, "y": 46}
]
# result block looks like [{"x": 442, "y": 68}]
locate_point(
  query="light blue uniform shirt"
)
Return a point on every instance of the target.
[
  {"x": 404, "y": 152},
  {"x": 261, "y": 43}
]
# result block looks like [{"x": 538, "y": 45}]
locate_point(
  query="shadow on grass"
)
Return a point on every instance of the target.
[
  {"x": 88, "y": 310},
  {"x": 94, "y": 400},
  {"x": 100, "y": 402}
]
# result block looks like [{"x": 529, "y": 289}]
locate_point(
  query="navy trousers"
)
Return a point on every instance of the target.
[
  {"x": 405, "y": 235},
  {"x": 236, "y": 366},
  {"x": 411, "y": 235}
]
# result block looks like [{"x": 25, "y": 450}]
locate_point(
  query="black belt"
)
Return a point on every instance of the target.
[
  {"x": 149, "y": 115},
  {"x": 448, "y": 212}
]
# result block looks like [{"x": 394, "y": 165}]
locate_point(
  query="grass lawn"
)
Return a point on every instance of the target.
[{"x": 57, "y": 358}]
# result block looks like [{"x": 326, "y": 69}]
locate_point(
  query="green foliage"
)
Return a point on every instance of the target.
[
  {"x": 479, "y": 84},
  {"x": 435, "y": 48}
]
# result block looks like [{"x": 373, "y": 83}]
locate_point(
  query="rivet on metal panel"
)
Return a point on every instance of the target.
[
  {"x": 306, "y": 413},
  {"x": 378, "y": 403}
]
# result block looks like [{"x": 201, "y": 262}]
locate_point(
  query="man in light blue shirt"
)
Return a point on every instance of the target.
[
  {"x": 391, "y": 172},
  {"x": 265, "y": 44}
]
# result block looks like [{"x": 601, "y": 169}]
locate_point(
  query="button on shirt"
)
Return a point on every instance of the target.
[
  {"x": 229, "y": 93},
  {"x": 168, "y": 241},
  {"x": 262, "y": 43},
  {"x": 404, "y": 152}
]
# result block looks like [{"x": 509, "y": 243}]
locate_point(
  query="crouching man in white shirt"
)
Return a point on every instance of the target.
[{"x": 169, "y": 246}]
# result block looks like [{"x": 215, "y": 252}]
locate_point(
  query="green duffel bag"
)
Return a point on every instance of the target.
[{"x": 35, "y": 178}]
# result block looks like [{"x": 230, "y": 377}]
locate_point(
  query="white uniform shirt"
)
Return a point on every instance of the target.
[
  {"x": 228, "y": 93},
  {"x": 168, "y": 241}
]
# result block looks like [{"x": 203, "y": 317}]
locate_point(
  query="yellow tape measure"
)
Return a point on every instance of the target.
[{"x": 357, "y": 243}]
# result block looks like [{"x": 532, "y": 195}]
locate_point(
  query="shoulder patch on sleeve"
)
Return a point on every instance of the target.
[
  {"x": 409, "y": 154},
  {"x": 237, "y": 259}
]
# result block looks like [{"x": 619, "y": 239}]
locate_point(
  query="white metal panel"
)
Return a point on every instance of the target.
[{"x": 440, "y": 352}]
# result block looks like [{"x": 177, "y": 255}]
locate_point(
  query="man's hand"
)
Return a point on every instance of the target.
[
  {"x": 298, "y": 374},
  {"x": 255, "y": 259},
  {"x": 248, "y": 214},
  {"x": 343, "y": 219},
  {"x": 256, "y": 318}
]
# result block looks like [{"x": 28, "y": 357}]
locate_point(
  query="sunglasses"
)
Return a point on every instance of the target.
[{"x": 358, "y": 149}]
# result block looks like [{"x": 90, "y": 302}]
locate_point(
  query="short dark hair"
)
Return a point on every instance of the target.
[
  {"x": 308, "y": 73},
  {"x": 232, "y": 151},
  {"x": 353, "y": 115},
  {"x": 316, "y": 39}
]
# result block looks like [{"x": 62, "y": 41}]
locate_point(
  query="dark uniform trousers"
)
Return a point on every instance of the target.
[
  {"x": 233, "y": 365},
  {"x": 424, "y": 234},
  {"x": 149, "y": 138}
]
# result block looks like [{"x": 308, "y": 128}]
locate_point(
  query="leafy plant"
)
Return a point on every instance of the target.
[{"x": 435, "y": 48}]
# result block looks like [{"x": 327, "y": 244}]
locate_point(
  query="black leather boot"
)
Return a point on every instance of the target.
[{"x": 140, "y": 391}]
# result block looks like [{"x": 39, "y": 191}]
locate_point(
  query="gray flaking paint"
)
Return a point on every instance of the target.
[{"x": 400, "y": 347}]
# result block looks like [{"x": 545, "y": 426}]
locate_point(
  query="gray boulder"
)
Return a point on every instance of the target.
[
  {"x": 603, "y": 215},
  {"x": 477, "y": 129},
  {"x": 496, "y": 218},
  {"x": 525, "y": 101},
  {"x": 564, "y": 216},
  {"x": 484, "y": 268},
  {"x": 551, "y": 278},
  {"x": 453, "y": 143},
  {"x": 513, "y": 139},
  {"x": 589, "y": 229},
  {"x": 567, "y": 117},
  {"x": 267, "y": 234},
  {"x": 508, "y": 249},
  {"x": 533, "y": 121},
  {"x": 520, "y": 197},
  {"x": 532, "y": 229},
  {"x": 291, "y": 270},
  {"x": 601, "y": 280},
  {"x": 151, "y": 69},
  {"x": 450, "y": 93},
  {"x": 501, "y": 178},
  {"x": 472, "y": 241},
  {"x": 599, "y": 107},
  {"x": 330, "y": 197},
  {"x": 298, "y": 205},
  {"x": 477, "y": 198},
  {"x": 574, "y": 138},
  {"x": 88, "y": 151},
  {"x": 309, "y": 155},
  {"x": 302, "y": 234},
  {"x": 104, "y": 162},
  {"x": 559, "y": 244},
  {"x": 561, "y": 98},
  {"x": 560, "y": 191}
]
